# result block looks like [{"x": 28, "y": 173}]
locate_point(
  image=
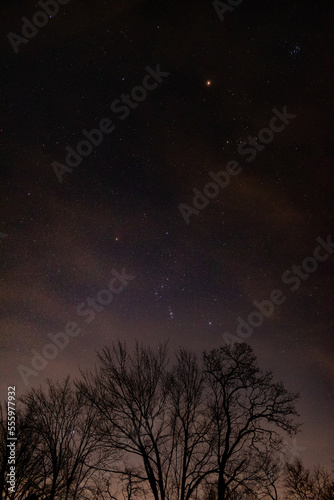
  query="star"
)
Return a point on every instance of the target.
[
  {"x": 171, "y": 314},
  {"x": 294, "y": 51}
]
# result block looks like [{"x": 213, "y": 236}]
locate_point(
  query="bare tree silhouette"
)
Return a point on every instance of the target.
[
  {"x": 190, "y": 422},
  {"x": 141, "y": 427},
  {"x": 129, "y": 393},
  {"x": 67, "y": 450},
  {"x": 248, "y": 409},
  {"x": 306, "y": 484}
]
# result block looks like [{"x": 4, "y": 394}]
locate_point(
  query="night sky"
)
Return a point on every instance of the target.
[{"x": 122, "y": 208}]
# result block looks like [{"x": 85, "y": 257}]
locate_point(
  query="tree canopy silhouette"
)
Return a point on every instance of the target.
[
  {"x": 220, "y": 418},
  {"x": 141, "y": 426}
]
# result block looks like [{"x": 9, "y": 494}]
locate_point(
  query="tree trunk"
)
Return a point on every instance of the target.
[{"x": 222, "y": 489}]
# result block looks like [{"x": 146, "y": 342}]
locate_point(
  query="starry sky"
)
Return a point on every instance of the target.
[{"x": 118, "y": 210}]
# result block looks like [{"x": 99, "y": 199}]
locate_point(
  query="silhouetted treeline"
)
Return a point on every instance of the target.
[{"x": 138, "y": 427}]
